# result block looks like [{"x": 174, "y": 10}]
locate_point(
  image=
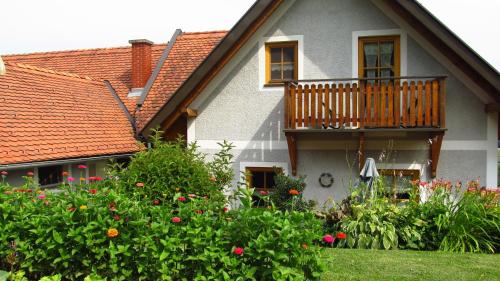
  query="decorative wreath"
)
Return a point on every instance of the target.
[{"x": 326, "y": 180}]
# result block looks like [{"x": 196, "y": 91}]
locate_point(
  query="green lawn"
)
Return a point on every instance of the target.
[{"x": 347, "y": 264}]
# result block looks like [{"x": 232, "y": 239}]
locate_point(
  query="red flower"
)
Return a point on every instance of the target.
[
  {"x": 238, "y": 251},
  {"x": 341, "y": 235},
  {"x": 93, "y": 191},
  {"x": 82, "y": 166},
  {"x": 293, "y": 192},
  {"x": 225, "y": 209},
  {"x": 156, "y": 202},
  {"x": 4, "y": 173},
  {"x": 328, "y": 239},
  {"x": 264, "y": 193},
  {"x": 116, "y": 217},
  {"x": 176, "y": 220},
  {"x": 139, "y": 184},
  {"x": 71, "y": 209},
  {"x": 65, "y": 174},
  {"x": 182, "y": 198},
  {"x": 98, "y": 178},
  {"x": 29, "y": 174},
  {"x": 91, "y": 178}
]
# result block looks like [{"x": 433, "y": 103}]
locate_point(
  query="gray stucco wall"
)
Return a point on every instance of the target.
[{"x": 237, "y": 110}]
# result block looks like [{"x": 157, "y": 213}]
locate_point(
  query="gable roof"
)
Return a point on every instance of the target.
[
  {"x": 48, "y": 115},
  {"x": 112, "y": 64},
  {"x": 445, "y": 41},
  {"x": 181, "y": 57}
]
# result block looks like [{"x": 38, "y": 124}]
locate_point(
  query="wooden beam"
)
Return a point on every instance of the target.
[
  {"x": 492, "y": 107},
  {"x": 361, "y": 153},
  {"x": 435, "y": 150},
  {"x": 292, "y": 151},
  {"x": 190, "y": 112}
]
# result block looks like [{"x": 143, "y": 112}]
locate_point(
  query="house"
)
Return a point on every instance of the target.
[
  {"x": 315, "y": 87},
  {"x": 62, "y": 110}
]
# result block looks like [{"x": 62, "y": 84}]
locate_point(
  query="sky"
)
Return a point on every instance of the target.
[{"x": 49, "y": 25}]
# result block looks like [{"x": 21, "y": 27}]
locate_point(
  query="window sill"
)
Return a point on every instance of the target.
[{"x": 274, "y": 85}]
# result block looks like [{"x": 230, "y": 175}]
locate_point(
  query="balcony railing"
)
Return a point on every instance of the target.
[{"x": 358, "y": 103}]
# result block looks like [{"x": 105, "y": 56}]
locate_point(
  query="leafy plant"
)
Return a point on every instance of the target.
[{"x": 288, "y": 193}]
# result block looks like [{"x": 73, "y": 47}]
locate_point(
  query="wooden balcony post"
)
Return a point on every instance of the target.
[
  {"x": 442, "y": 102},
  {"x": 286, "y": 107},
  {"x": 362, "y": 104}
]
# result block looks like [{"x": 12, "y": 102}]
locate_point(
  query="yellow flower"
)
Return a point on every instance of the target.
[
  {"x": 112, "y": 232},
  {"x": 83, "y": 207}
]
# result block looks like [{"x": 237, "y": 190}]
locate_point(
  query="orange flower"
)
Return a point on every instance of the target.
[
  {"x": 305, "y": 246},
  {"x": 112, "y": 232},
  {"x": 65, "y": 174},
  {"x": 82, "y": 179},
  {"x": 293, "y": 192}
]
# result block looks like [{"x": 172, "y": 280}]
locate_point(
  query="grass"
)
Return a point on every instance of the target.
[{"x": 354, "y": 264}]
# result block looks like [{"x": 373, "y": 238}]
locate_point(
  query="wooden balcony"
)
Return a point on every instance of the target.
[
  {"x": 353, "y": 103},
  {"x": 415, "y": 104}
]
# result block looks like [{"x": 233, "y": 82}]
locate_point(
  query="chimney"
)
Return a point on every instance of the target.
[{"x": 141, "y": 65}]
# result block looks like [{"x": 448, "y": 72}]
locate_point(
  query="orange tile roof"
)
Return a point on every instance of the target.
[
  {"x": 189, "y": 50},
  {"x": 48, "y": 115},
  {"x": 112, "y": 64}
]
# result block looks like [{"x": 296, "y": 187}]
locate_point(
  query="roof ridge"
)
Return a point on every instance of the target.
[
  {"x": 50, "y": 71},
  {"x": 205, "y": 32},
  {"x": 73, "y": 51}
]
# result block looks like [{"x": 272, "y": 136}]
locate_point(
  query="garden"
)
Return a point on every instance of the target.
[{"x": 167, "y": 216}]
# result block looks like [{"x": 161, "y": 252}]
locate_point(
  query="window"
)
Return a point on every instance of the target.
[
  {"x": 378, "y": 57},
  {"x": 400, "y": 181},
  {"x": 281, "y": 62},
  {"x": 262, "y": 179},
  {"x": 50, "y": 175}
]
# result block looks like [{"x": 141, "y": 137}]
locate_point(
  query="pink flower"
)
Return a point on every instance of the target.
[
  {"x": 71, "y": 179},
  {"x": 41, "y": 196},
  {"x": 238, "y": 251},
  {"x": 328, "y": 239},
  {"x": 176, "y": 220},
  {"x": 82, "y": 166},
  {"x": 192, "y": 195},
  {"x": 139, "y": 184},
  {"x": 29, "y": 174},
  {"x": 264, "y": 193},
  {"x": 4, "y": 173},
  {"x": 182, "y": 198},
  {"x": 91, "y": 178}
]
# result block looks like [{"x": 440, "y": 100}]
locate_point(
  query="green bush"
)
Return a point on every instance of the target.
[
  {"x": 170, "y": 168},
  {"x": 284, "y": 196}
]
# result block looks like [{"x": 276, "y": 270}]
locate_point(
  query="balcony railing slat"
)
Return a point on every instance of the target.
[
  {"x": 412, "y": 104},
  {"x": 420, "y": 120},
  {"x": 390, "y": 118},
  {"x": 435, "y": 104},
  {"x": 341, "y": 105},
  {"x": 306, "y": 106},
  {"x": 397, "y": 103},
  {"x": 404, "y": 110},
  {"x": 355, "y": 94},
  {"x": 334, "y": 106},
  {"x": 327, "y": 106},
  {"x": 428, "y": 103}
]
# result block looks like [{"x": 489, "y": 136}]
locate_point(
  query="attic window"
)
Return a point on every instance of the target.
[
  {"x": 378, "y": 57},
  {"x": 281, "y": 62}
]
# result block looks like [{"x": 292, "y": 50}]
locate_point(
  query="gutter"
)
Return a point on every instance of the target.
[
  {"x": 158, "y": 68},
  {"x": 2, "y": 67},
  {"x": 61, "y": 161}
]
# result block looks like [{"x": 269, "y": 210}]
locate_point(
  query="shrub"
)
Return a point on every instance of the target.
[
  {"x": 371, "y": 226},
  {"x": 288, "y": 193},
  {"x": 170, "y": 168}
]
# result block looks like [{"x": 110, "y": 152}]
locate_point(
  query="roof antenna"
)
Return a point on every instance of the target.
[{"x": 2, "y": 67}]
